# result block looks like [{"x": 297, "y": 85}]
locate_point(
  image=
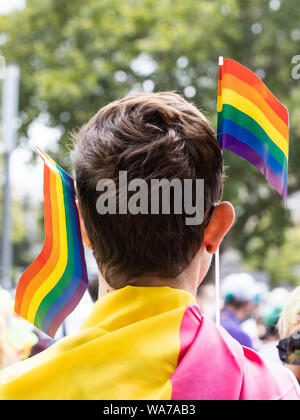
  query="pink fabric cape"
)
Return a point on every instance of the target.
[{"x": 214, "y": 366}]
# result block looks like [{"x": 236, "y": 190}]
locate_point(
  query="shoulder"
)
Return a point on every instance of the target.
[
  {"x": 261, "y": 379},
  {"x": 211, "y": 366},
  {"x": 266, "y": 380},
  {"x": 215, "y": 366}
]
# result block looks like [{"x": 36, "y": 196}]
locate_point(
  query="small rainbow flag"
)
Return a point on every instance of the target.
[
  {"x": 252, "y": 123},
  {"x": 52, "y": 286}
]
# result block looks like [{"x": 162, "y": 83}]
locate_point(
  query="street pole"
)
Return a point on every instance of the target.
[{"x": 10, "y": 99}]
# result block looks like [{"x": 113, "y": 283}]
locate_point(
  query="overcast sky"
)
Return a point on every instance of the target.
[{"x": 7, "y": 6}]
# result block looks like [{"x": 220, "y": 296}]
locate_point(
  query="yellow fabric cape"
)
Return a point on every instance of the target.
[
  {"x": 147, "y": 343},
  {"x": 127, "y": 349}
]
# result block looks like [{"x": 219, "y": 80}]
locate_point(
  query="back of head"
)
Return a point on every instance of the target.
[
  {"x": 239, "y": 288},
  {"x": 150, "y": 136}
]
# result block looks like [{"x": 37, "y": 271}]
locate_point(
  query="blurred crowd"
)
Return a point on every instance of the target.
[{"x": 266, "y": 320}]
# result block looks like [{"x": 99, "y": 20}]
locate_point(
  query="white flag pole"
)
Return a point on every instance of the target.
[
  {"x": 217, "y": 285},
  {"x": 217, "y": 254}
]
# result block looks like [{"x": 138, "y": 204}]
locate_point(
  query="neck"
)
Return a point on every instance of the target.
[
  {"x": 104, "y": 287},
  {"x": 175, "y": 283},
  {"x": 188, "y": 280}
]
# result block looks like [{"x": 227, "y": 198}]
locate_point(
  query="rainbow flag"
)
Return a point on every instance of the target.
[
  {"x": 252, "y": 123},
  {"x": 52, "y": 286}
]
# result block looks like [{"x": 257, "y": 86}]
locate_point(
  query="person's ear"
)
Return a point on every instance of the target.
[
  {"x": 220, "y": 222},
  {"x": 84, "y": 235}
]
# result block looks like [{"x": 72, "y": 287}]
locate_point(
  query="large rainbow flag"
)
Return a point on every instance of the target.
[
  {"x": 52, "y": 286},
  {"x": 252, "y": 123}
]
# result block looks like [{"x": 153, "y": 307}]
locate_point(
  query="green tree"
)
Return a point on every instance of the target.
[{"x": 282, "y": 262}]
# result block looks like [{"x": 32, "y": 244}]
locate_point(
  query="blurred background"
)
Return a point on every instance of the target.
[{"x": 74, "y": 57}]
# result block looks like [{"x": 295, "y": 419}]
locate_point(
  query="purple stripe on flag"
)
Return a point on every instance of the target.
[
  {"x": 246, "y": 152},
  {"x": 67, "y": 309}
]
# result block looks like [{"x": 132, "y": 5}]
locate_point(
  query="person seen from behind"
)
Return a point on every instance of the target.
[
  {"x": 289, "y": 332},
  {"x": 146, "y": 337},
  {"x": 241, "y": 297}
]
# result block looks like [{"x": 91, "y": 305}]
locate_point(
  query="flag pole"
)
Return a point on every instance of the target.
[
  {"x": 217, "y": 253},
  {"x": 217, "y": 285}
]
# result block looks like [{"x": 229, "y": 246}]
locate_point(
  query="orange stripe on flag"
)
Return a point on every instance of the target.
[
  {"x": 34, "y": 268},
  {"x": 247, "y": 76},
  {"x": 48, "y": 265},
  {"x": 230, "y": 81}
]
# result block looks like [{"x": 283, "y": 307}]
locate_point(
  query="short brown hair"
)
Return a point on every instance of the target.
[{"x": 149, "y": 135}]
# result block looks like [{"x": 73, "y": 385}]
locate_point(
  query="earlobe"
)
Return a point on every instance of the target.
[
  {"x": 84, "y": 235},
  {"x": 220, "y": 222}
]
